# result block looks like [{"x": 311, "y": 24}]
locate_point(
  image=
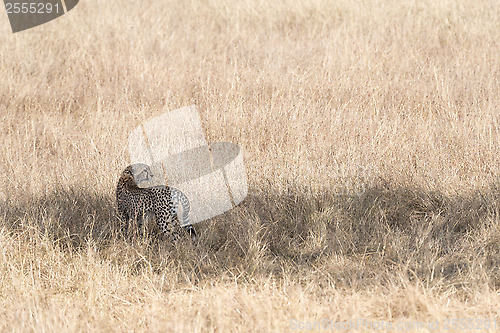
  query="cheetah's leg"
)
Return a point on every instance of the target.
[
  {"x": 124, "y": 221},
  {"x": 167, "y": 222},
  {"x": 132, "y": 229}
]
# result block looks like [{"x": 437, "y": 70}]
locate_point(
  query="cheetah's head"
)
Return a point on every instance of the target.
[
  {"x": 136, "y": 173},
  {"x": 141, "y": 172}
]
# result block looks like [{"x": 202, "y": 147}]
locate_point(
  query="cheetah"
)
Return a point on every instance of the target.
[{"x": 135, "y": 203}]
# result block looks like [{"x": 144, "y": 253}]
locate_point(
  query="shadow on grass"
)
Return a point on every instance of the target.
[
  {"x": 348, "y": 239},
  {"x": 69, "y": 216}
]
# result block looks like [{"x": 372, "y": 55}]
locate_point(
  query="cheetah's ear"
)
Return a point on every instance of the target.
[
  {"x": 127, "y": 175},
  {"x": 127, "y": 171}
]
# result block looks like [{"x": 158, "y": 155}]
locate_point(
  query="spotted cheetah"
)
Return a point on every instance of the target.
[{"x": 135, "y": 203}]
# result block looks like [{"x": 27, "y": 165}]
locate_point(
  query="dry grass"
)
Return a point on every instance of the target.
[{"x": 371, "y": 134}]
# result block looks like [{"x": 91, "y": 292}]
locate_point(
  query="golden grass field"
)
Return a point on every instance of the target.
[{"x": 371, "y": 136}]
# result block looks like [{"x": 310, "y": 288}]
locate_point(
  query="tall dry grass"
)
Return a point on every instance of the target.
[{"x": 371, "y": 134}]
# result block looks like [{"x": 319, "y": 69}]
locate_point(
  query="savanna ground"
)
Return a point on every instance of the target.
[{"x": 371, "y": 136}]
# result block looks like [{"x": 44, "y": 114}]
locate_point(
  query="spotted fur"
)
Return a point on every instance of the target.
[{"x": 135, "y": 203}]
